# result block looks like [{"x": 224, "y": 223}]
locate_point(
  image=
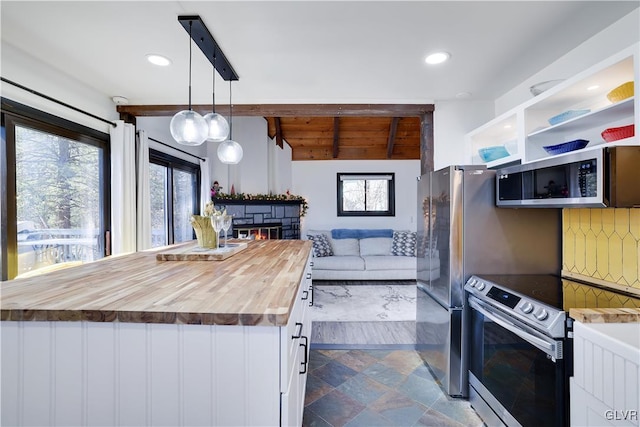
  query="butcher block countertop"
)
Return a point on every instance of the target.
[
  {"x": 605, "y": 315},
  {"x": 254, "y": 287}
]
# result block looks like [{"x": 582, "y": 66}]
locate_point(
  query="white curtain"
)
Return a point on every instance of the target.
[
  {"x": 205, "y": 184},
  {"x": 123, "y": 188},
  {"x": 143, "y": 193}
]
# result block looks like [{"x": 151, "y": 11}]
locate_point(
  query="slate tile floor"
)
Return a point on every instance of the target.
[{"x": 378, "y": 388}]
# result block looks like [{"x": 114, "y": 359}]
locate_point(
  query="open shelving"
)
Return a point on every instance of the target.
[{"x": 529, "y": 129}]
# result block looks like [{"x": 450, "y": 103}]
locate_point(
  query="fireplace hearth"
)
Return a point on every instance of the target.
[{"x": 258, "y": 231}]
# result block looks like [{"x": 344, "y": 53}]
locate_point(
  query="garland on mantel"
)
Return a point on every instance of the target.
[{"x": 304, "y": 205}]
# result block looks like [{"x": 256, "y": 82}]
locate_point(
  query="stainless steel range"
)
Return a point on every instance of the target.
[
  {"x": 518, "y": 369},
  {"x": 521, "y": 350}
]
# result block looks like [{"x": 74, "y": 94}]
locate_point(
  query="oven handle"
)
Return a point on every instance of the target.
[{"x": 550, "y": 347}]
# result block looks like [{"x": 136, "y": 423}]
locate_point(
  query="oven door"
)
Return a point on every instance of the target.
[{"x": 517, "y": 375}]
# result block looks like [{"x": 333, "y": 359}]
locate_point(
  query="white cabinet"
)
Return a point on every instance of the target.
[
  {"x": 116, "y": 373},
  {"x": 295, "y": 348},
  {"x": 605, "y": 387},
  {"x": 526, "y": 129}
]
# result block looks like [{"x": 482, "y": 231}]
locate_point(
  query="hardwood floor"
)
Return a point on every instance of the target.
[
  {"x": 378, "y": 333},
  {"x": 363, "y": 333}
]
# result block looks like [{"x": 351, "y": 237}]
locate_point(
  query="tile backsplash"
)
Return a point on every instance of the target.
[{"x": 603, "y": 244}]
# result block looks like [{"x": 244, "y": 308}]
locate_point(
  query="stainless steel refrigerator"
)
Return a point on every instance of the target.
[{"x": 460, "y": 233}]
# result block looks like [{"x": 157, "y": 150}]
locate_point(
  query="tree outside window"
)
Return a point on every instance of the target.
[
  {"x": 55, "y": 198},
  {"x": 174, "y": 187},
  {"x": 370, "y": 194}
]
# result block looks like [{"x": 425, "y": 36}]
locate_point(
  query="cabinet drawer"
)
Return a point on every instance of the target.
[
  {"x": 296, "y": 319},
  {"x": 292, "y": 398},
  {"x": 294, "y": 337}
]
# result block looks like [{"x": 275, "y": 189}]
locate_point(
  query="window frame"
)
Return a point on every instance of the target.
[
  {"x": 171, "y": 162},
  {"x": 391, "y": 211},
  {"x": 16, "y": 114}
]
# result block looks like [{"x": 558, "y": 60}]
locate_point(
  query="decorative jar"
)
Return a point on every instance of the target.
[{"x": 207, "y": 237}]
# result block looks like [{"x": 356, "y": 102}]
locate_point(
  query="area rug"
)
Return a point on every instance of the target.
[{"x": 358, "y": 303}]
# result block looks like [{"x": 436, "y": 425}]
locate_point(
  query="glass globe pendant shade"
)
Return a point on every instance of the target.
[
  {"x": 188, "y": 128},
  {"x": 217, "y": 126},
  {"x": 230, "y": 152}
]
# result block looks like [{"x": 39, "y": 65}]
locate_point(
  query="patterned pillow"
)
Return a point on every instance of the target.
[
  {"x": 404, "y": 243},
  {"x": 321, "y": 245}
]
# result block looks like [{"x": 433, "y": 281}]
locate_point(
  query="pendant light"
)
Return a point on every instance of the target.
[
  {"x": 217, "y": 126},
  {"x": 229, "y": 151},
  {"x": 188, "y": 127}
]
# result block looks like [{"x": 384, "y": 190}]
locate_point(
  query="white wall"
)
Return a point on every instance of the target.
[
  {"x": 615, "y": 38},
  {"x": 316, "y": 181},
  {"x": 451, "y": 121},
  {"x": 280, "y": 168},
  {"x": 249, "y": 176},
  {"x": 22, "y": 68},
  {"x": 158, "y": 128}
]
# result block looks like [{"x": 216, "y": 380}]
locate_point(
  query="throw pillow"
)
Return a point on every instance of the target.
[
  {"x": 404, "y": 243},
  {"x": 321, "y": 245}
]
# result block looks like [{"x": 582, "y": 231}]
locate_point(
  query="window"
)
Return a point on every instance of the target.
[
  {"x": 174, "y": 187},
  {"x": 370, "y": 194},
  {"x": 56, "y": 200}
]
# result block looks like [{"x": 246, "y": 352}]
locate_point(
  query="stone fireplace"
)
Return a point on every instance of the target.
[{"x": 265, "y": 219}]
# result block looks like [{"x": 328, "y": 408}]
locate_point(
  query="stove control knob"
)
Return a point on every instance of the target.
[
  {"x": 527, "y": 307},
  {"x": 542, "y": 314},
  {"x": 473, "y": 282},
  {"x": 480, "y": 286}
]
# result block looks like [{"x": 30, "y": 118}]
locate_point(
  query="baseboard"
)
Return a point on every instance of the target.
[
  {"x": 318, "y": 346},
  {"x": 363, "y": 282}
]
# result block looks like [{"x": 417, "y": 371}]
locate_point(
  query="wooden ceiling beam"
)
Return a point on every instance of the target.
[
  {"x": 286, "y": 110},
  {"x": 336, "y": 136},
  {"x": 278, "y": 132},
  {"x": 392, "y": 136}
]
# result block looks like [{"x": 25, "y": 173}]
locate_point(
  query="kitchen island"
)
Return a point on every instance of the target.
[{"x": 130, "y": 340}]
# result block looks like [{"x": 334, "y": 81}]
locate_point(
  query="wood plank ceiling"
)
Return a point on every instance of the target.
[
  {"x": 330, "y": 131},
  {"x": 348, "y": 138}
]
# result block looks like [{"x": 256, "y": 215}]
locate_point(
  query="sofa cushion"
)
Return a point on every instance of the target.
[
  {"x": 389, "y": 262},
  {"x": 321, "y": 245},
  {"x": 375, "y": 246},
  {"x": 342, "y": 247},
  {"x": 404, "y": 243},
  {"x": 347, "y": 262},
  {"x": 358, "y": 233}
]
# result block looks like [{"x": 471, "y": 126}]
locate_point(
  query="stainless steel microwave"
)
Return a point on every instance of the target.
[{"x": 606, "y": 177}]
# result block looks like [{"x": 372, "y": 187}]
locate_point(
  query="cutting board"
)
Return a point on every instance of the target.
[{"x": 197, "y": 253}]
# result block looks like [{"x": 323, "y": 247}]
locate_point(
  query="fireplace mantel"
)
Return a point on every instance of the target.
[{"x": 227, "y": 202}]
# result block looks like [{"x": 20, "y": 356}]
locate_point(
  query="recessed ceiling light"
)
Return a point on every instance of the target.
[
  {"x": 437, "y": 58},
  {"x": 594, "y": 87},
  {"x": 507, "y": 126},
  {"x": 160, "y": 60},
  {"x": 463, "y": 95}
]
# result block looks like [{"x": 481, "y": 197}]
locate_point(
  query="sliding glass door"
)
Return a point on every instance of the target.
[
  {"x": 174, "y": 187},
  {"x": 56, "y": 197}
]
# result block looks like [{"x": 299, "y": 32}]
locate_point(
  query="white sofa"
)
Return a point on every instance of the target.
[{"x": 364, "y": 254}]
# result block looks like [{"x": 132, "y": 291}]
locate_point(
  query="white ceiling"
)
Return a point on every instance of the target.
[{"x": 306, "y": 51}]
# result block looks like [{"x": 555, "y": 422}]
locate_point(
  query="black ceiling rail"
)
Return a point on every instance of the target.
[
  {"x": 175, "y": 148},
  {"x": 207, "y": 44},
  {"x": 64, "y": 104}
]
